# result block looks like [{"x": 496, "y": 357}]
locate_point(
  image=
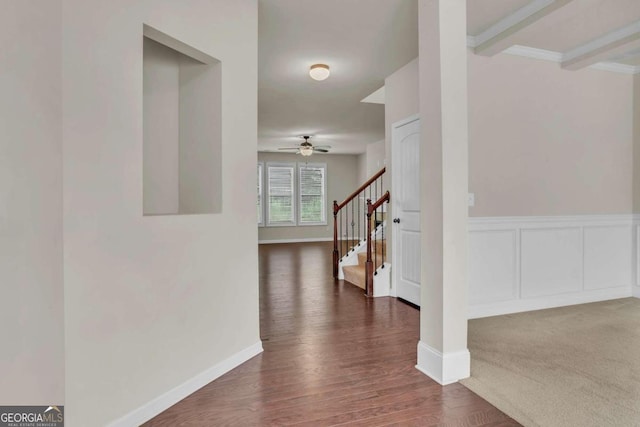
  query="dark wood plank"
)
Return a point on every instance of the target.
[{"x": 332, "y": 357}]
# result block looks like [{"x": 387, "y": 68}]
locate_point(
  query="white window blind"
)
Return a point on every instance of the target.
[
  {"x": 312, "y": 195},
  {"x": 280, "y": 187},
  {"x": 260, "y": 196}
]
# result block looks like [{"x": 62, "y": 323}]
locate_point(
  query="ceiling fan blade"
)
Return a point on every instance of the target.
[
  {"x": 324, "y": 147},
  {"x": 289, "y": 148},
  {"x": 320, "y": 150}
]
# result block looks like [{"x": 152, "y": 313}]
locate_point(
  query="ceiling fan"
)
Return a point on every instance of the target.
[{"x": 306, "y": 148}]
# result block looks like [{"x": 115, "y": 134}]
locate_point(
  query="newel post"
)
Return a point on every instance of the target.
[
  {"x": 336, "y": 254},
  {"x": 368, "y": 272}
]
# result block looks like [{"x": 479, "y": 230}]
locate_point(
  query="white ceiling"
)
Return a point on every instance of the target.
[{"x": 364, "y": 41}]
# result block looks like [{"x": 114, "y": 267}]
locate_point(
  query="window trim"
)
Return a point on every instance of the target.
[
  {"x": 299, "y": 221},
  {"x": 261, "y": 181},
  {"x": 293, "y": 222}
]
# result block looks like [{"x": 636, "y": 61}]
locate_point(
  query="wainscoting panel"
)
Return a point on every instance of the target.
[
  {"x": 637, "y": 263},
  {"x": 530, "y": 263},
  {"x": 608, "y": 255},
  {"x": 551, "y": 261},
  {"x": 492, "y": 271}
]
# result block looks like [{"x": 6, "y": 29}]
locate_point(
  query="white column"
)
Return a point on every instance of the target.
[{"x": 442, "y": 350}]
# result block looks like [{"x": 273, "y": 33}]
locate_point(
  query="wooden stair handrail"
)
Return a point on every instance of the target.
[
  {"x": 337, "y": 207},
  {"x": 371, "y": 207},
  {"x": 353, "y": 206}
]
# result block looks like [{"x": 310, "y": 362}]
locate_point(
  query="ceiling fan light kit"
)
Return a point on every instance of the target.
[
  {"x": 306, "y": 148},
  {"x": 319, "y": 72}
]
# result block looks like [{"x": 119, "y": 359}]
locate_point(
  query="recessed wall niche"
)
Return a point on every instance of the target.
[{"x": 182, "y": 128}]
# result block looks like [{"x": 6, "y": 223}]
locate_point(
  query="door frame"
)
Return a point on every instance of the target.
[{"x": 395, "y": 261}]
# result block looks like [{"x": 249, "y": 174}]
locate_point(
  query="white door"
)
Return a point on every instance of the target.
[{"x": 405, "y": 204}]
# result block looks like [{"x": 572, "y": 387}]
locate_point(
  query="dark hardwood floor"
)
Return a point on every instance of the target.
[{"x": 331, "y": 357}]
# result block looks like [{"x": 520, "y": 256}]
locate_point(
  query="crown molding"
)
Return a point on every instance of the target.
[
  {"x": 609, "y": 39},
  {"x": 512, "y": 20},
  {"x": 585, "y": 53},
  {"x": 558, "y": 58},
  {"x": 616, "y": 67},
  {"x": 534, "y": 53}
]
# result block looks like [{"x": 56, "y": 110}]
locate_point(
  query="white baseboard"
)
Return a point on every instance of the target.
[
  {"x": 443, "y": 368},
  {"x": 521, "y": 305},
  {"x": 636, "y": 291},
  {"x": 173, "y": 396},
  {"x": 305, "y": 240}
]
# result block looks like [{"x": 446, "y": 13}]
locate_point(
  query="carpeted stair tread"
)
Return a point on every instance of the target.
[
  {"x": 377, "y": 261},
  {"x": 355, "y": 274}
]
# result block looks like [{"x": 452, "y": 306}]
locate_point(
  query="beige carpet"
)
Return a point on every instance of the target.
[{"x": 569, "y": 366}]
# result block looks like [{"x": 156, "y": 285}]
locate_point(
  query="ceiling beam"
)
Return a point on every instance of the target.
[
  {"x": 500, "y": 35},
  {"x": 602, "y": 48}
]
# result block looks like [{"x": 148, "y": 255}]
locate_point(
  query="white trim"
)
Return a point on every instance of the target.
[
  {"x": 636, "y": 247},
  {"x": 521, "y": 305},
  {"x": 444, "y": 368},
  {"x": 508, "y": 22},
  {"x": 611, "y": 38},
  {"x": 512, "y": 275},
  {"x": 176, "y": 394},
  {"x": 616, "y": 67},
  {"x": 557, "y": 58},
  {"x": 261, "y": 179},
  {"x": 481, "y": 223},
  {"x": 603, "y": 43},
  {"x": 534, "y": 53},
  {"x": 304, "y": 240}
]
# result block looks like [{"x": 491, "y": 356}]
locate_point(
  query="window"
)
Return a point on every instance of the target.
[
  {"x": 260, "y": 195},
  {"x": 281, "y": 197},
  {"x": 312, "y": 194},
  {"x": 292, "y": 194}
]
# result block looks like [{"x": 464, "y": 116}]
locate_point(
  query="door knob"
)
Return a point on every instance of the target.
[{"x": 396, "y": 220}]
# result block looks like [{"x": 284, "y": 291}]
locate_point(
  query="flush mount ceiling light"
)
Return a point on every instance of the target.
[{"x": 319, "y": 71}]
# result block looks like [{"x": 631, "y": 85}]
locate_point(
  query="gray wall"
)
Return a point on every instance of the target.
[
  {"x": 31, "y": 306},
  {"x": 342, "y": 180},
  {"x": 547, "y": 141},
  {"x": 542, "y": 140},
  {"x": 401, "y": 101},
  {"x": 149, "y": 300}
]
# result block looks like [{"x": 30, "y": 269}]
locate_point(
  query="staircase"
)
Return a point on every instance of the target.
[
  {"x": 355, "y": 274},
  {"x": 359, "y": 246}
]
